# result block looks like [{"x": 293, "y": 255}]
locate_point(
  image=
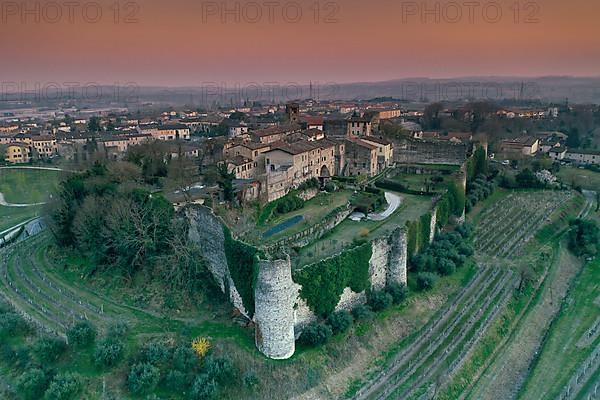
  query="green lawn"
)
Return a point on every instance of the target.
[
  {"x": 27, "y": 186},
  {"x": 580, "y": 177},
  {"x": 313, "y": 212},
  {"x": 11, "y": 216},
  {"x": 563, "y": 352},
  {"x": 345, "y": 233}
]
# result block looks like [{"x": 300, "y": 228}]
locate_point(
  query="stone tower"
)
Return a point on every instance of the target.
[
  {"x": 293, "y": 112},
  {"x": 275, "y": 296}
]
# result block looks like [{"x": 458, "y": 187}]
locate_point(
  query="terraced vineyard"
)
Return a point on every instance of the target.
[
  {"x": 28, "y": 283},
  {"x": 427, "y": 364},
  {"x": 510, "y": 224}
]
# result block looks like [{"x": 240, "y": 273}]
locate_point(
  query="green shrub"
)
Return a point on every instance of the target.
[
  {"x": 142, "y": 378},
  {"x": 398, "y": 292},
  {"x": 12, "y": 324},
  {"x": 446, "y": 267},
  {"x": 426, "y": 280},
  {"x": 316, "y": 334},
  {"x": 118, "y": 330},
  {"x": 81, "y": 334},
  {"x": 176, "y": 380},
  {"x": 185, "y": 359},
  {"x": 288, "y": 204},
  {"x": 64, "y": 387},
  {"x": 48, "y": 349},
  {"x": 32, "y": 384},
  {"x": 220, "y": 369},
  {"x": 340, "y": 322},
  {"x": 204, "y": 388},
  {"x": 324, "y": 282},
  {"x": 380, "y": 301},
  {"x": 584, "y": 238},
  {"x": 362, "y": 312},
  {"x": 109, "y": 352},
  {"x": 251, "y": 380},
  {"x": 156, "y": 353}
]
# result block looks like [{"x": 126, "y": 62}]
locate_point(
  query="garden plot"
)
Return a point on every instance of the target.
[
  {"x": 438, "y": 350},
  {"x": 506, "y": 227}
]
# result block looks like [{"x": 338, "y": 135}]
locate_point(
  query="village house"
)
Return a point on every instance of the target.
[
  {"x": 275, "y": 134},
  {"x": 18, "y": 153},
  {"x": 584, "y": 157},
  {"x": 524, "y": 145},
  {"x": 359, "y": 126},
  {"x": 172, "y": 132},
  {"x": 290, "y": 164},
  {"x": 361, "y": 157},
  {"x": 44, "y": 146},
  {"x": 235, "y": 128},
  {"x": 385, "y": 151},
  {"x": 242, "y": 168},
  {"x": 557, "y": 153}
]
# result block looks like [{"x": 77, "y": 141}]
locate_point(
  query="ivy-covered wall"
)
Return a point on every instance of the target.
[
  {"x": 242, "y": 260},
  {"x": 324, "y": 282}
]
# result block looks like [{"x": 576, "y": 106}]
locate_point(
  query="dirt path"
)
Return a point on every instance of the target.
[
  {"x": 4, "y": 203},
  {"x": 508, "y": 372}
]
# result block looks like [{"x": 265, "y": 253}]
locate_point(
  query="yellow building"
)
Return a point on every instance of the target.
[{"x": 18, "y": 153}]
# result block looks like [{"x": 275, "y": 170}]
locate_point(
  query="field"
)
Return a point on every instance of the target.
[
  {"x": 583, "y": 178},
  {"x": 24, "y": 186},
  {"x": 28, "y": 186}
]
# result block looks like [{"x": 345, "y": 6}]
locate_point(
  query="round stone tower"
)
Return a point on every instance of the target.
[{"x": 275, "y": 294}]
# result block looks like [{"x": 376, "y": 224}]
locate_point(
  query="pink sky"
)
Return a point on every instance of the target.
[{"x": 171, "y": 45}]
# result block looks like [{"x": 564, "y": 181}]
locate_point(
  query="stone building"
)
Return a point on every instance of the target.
[
  {"x": 361, "y": 157},
  {"x": 290, "y": 164}
]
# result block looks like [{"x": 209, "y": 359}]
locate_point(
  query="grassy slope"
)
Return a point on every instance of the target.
[
  {"x": 28, "y": 186},
  {"x": 580, "y": 177},
  {"x": 561, "y": 356},
  {"x": 24, "y": 187}
]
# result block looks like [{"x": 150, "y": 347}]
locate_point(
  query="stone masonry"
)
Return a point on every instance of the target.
[{"x": 274, "y": 309}]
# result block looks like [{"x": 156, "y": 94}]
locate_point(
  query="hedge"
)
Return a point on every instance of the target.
[
  {"x": 242, "y": 261},
  {"x": 324, "y": 282}
]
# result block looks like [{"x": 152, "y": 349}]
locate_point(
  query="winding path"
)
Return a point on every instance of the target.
[{"x": 4, "y": 203}]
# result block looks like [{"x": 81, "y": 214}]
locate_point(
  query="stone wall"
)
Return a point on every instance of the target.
[
  {"x": 379, "y": 263},
  {"x": 415, "y": 151},
  {"x": 275, "y": 296},
  {"x": 312, "y": 233},
  {"x": 206, "y": 230},
  {"x": 398, "y": 258},
  {"x": 280, "y": 313},
  {"x": 433, "y": 225}
]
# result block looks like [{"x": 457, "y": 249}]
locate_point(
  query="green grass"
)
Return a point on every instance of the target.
[
  {"x": 11, "y": 216},
  {"x": 344, "y": 234},
  {"x": 561, "y": 356},
  {"x": 578, "y": 177},
  {"x": 24, "y": 186},
  {"x": 313, "y": 212}
]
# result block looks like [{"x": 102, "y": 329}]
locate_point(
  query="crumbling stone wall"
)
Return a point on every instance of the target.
[
  {"x": 206, "y": 230},
  {"x": 397, "y": 271},
  {"x": 274, "y": 309},
  {"x": 433, "y": 225},
  {"x": 379, "y": 263},
  {"x": 280, "y": 313}
]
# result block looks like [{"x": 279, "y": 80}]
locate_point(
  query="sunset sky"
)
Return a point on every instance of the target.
[{"x": 373, "y": 40}]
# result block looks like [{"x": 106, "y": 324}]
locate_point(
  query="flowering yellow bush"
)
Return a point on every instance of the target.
[{"x": 201, "y": 346}]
